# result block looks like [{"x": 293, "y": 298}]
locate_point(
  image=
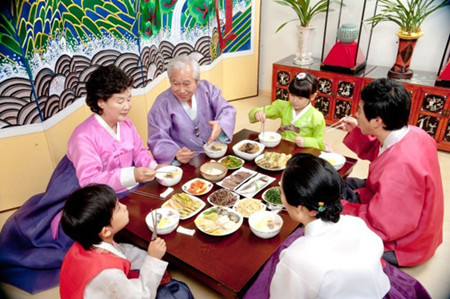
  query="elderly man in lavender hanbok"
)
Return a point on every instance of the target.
[
  {"x": 189, "y": 114},
  {"x": 106, "y": 149}
]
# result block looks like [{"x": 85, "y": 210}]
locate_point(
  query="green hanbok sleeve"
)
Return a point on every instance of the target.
[
  {"x": 318, "y": 124},
  {"x": 272, "y": 111}
]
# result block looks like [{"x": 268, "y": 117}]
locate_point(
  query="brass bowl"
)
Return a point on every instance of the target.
[{"x": 213, "y": 171}]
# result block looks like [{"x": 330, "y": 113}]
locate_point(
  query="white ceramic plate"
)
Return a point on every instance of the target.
[
  {"x": 243, "y": 169},
  {"x": 187, "y": 185},
  {"x": 335, "y": 159},
  {"x": 247, "y": 156},
  {"x": 246, "y": 209},
  {"x": 274, "y": 205},
  {"x": 236, "y": 196},
  {"x": 232, "y": 168},
  {"x": 210, "y": 218},
  {"x": 202, "y": 204},
  {"x": 257, "y": 159},
  {"x": 253, "y": 186}
]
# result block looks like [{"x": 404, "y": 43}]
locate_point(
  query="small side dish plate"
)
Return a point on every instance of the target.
[
  {"x": 237, "y": 178},
  {"x": 186, "y": 205},
  {"x": 253, "y": 186},
  {"x": 253, "y": 149},
  {"x": 272, "y": 161},
  {"x": 232, "y": 162},
  {"x": 197, "y": 187},
  {"x": 273, "y": 197},
  {"x": 247, "y": 206},
  {"x": 223, "y": 198},
  {"x": 218, "y": 221}
]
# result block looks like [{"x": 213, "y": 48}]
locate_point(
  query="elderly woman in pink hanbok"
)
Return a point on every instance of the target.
[
  {"x": 105, "y": 149},
  {"x": 190, "y": 113}
]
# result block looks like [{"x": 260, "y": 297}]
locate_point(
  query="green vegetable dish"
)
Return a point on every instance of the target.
[
  {"x": 231, "y": 162},
  {"x": 273, "y": 195}
]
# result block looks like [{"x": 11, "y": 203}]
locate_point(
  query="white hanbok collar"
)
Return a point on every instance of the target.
[
  {"x": 103, "y": 123},
  {"x": 316, "y": 227},
  {"x": 113, "y": 248},
  {"x": 295, "y": 117},
  {"x": 191, "y": 111},
  {"x": 393, "y": 137}
]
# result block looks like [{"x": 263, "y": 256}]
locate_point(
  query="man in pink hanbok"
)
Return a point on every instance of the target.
[
  {"x": 106, "y": 149},
  {"x": 402, "y": 198},
  {"x": 191, "y": 113}
]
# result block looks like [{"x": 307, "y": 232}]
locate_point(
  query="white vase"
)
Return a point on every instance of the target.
[{"x": 304, "y": 47}]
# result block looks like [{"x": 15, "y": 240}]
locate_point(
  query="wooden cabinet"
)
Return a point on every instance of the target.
[
  {"x": 339, "y": 94},
  {"x": 433, "y": 114}
]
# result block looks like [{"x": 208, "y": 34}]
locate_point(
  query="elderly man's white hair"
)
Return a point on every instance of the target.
[{"x": 180, "y": 62}]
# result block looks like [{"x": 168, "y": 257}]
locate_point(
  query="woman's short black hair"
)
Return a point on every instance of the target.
[
  {"x": 103, "y": 83},
  {"x": 308, "y": 180},
  {"x": 389, "y": 100},
  {"x": 303, "y": 85},
  {"x": 86, "y": 212}
]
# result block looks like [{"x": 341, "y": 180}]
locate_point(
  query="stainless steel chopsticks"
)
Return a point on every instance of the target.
[
  {"x": 155, "y": 225},
  {"x": 147, "y": 194}
]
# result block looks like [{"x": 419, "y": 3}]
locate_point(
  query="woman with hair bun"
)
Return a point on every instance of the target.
[{"x": 339, "y": 256}]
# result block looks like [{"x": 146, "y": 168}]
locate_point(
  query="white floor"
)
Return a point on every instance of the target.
[{"x": 434, "y": 274}]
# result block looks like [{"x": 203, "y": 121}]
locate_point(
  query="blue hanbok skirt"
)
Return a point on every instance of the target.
[{"x": 30, "y": 258}]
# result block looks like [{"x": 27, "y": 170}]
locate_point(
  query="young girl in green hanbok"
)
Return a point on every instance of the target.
[{"x": 300, "y": 121}]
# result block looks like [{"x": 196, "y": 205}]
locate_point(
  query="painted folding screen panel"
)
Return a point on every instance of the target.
[{"x": 49, "y": 48}]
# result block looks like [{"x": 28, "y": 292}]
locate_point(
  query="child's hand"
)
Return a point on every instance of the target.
[
  {"x": 157, "y": 248},
  {"x": 349, "y": 123},
  {"x": 260, "y": 116},
  {"x": 300, "y": 141}
]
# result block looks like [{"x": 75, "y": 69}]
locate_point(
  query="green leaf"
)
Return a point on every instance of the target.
[
  {"x": 7, "y": 25},
  {"x": 10, "y": 43},
  {"x": 284, "y": 24},
  {"x": 408, "y": 17}
]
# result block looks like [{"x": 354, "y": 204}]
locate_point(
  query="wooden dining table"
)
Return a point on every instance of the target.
[{"x": 227, "y": 264}]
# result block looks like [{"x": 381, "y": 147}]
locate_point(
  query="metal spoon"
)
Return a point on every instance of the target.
[{"x": 156, "y": 219}]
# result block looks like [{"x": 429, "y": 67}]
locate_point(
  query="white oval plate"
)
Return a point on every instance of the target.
[
  {"x": 233, "y": 168},
  {"x": 201, "y": 220},
  {"x": 247, "y": 156},
  {"x": 230, "y": 205},
  {"x": 187, "y": 185},
  {"x": 240, "y": 202},
  {"x": 269, "y": 169},
  {"x": 273, "y": 205},
  {"x": 201, "y": 202}
]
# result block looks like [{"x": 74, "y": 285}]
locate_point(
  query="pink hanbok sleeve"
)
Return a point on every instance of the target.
[
  {"x": 99, "y": 158},
  {"x": 365, "y": 146}
]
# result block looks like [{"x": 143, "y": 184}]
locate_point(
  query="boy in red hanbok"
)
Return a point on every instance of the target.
[
  {"x": 402, "y": 198},
  {"x": 98, "y": 267}
]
